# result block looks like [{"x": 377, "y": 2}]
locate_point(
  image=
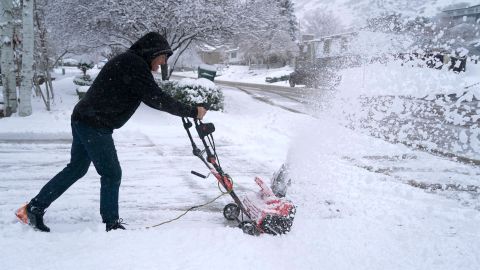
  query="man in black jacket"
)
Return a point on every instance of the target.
[{"x": 123, "y": 83}]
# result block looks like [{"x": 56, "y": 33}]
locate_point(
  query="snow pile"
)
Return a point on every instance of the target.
[{"x": 437, "y": 110}]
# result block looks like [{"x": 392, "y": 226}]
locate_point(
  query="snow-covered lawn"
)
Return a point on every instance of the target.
[
  {"x": 357, "y": 208},
  {"x": 237, "y": 73}
]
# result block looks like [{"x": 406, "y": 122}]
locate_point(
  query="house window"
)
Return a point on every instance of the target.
[{"x": 233, "y": 55}]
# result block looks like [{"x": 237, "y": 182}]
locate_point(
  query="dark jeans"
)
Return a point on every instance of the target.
[{"x": 89, "y": 145}]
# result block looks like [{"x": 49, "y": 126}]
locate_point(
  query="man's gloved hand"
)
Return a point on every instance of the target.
[{"x": 201, "y": 111}]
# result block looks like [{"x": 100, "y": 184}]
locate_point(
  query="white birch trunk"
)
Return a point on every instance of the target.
[
  {"x": 7, "y": 62},
  {"x": 25, "y": 92}
]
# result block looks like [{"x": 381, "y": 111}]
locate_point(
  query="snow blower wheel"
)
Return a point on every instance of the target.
[
  {"x": 231, "y": 211},
  {"x": 249, "y": 227}
]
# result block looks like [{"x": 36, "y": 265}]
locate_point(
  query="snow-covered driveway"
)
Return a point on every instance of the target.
[{"x": 355, "y": 208}]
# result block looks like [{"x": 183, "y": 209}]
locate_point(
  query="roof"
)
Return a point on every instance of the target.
[
  {"x": 346, "y": 34},
  {"x": 232, "y": 50},
  {"x": 460, "y": 8}
]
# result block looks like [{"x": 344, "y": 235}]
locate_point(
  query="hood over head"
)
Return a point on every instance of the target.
[{"x": 150, "y": 46}]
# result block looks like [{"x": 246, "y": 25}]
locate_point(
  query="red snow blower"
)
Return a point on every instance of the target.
[{"x": 264, "y": 212}]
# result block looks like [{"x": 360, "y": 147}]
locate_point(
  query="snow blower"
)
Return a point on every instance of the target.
[{"x": 263, "y": 212}]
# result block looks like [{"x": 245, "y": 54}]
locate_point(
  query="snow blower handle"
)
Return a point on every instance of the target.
[
  {"x": 204, "y": 131},
  {"x": 187, "y": 125},
  {"x": 198, "y": 174}
]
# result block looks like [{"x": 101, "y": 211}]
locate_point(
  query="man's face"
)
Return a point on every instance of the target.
[{"x": 159, "y": 60}]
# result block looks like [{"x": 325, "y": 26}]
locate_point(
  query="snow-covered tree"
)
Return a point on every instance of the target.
[
  {"x": 264, "y": 33},
  {"x": 112, "y": 51},
  {"x": 287, "y": 11},
  {"x": 80, "y": 25},
  {"x": 85, "y": 25},
  {"x": 321, "y": 23},
  {"x": 7, "y": 61}
]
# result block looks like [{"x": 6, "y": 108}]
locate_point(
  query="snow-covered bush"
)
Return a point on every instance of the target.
[
  {"x": 81, "y": 91},
  {"x": 194, "y": 91},
  {"x": 83, "y": 80}
]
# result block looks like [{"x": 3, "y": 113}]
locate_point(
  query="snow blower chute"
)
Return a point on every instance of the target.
[{"x": 263, "y": 212}]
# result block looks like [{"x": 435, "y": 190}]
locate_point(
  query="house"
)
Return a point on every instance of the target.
[
  {"x": 318, "y": 57},
  {"x": 229, "y": 55},
  {"x": 234, "y": 56},
  {"x": 221, "y": 55},
  {"x": 467, "y": 14},
  {"x": 211, "y": 55},
  {"x": 327, "y": 50}
]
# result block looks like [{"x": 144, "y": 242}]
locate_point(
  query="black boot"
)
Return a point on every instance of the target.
[
  {"x": 118, "y": 224},
  {"x": 35, "y": 218}
]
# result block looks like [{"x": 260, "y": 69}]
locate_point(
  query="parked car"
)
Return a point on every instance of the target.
[
  {"x": 314, "y": 76},
  {"x": 304, "y": 75}
]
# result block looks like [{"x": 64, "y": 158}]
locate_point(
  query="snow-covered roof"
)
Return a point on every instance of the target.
[
  {"x": 331, "y": 36},
  {"x": 232, "y": 50},
  {"x": 211, "y": 48},
  {"x": 454, "y": 9}
]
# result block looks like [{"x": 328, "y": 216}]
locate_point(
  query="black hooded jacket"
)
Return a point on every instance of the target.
[{"x": 124, "y": 82}]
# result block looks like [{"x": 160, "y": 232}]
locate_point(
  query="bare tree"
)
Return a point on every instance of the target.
[{"x": 44, "y": 53}]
